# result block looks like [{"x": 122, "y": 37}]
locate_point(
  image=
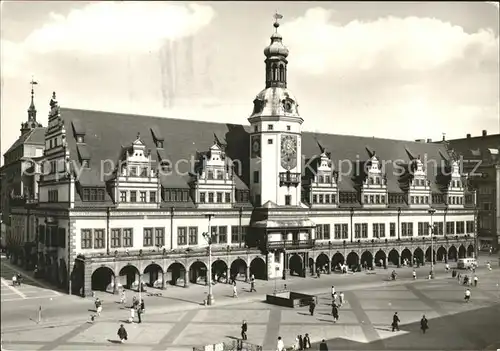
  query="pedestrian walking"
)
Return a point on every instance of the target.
[
  {"x": 414, "y": 274},
  {"x": 123, "y": 298},
  {"x": 139, "y": 313},
  {"x": 280, "y": 345},
  {"x": 122, "y": 333},
  {"x": 301, "y": 342},
  {"x": 307, "y": 342},
  {"x": 424, "y": 324},
  {"x": 475, "y": 280},
  {"x": 235, "y": 292},
  {"x": 323, "y": 346},
  {"x": 335, "y": 313},
  {"x": 333, "y": 291},
  {"x": 252, "y": 284},
  {"x": 244, "y": 329},
  {"x": 14, "y": 280},
  {"x": 98, "y": 306},
  {"x": 312, "y": 307},
  {"x": 395, "y": 322},
  {"x": 447, "y": 267},
  {"x": 467, "y": 295},
  {"x": 341, "y": 298}
]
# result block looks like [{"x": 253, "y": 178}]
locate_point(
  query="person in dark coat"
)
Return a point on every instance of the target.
[
  {"x": 424, "y": 324},
  {"x": 335, "y": 313},
  {"x": 306, "y": 342},
  {"x": 301, "y": 343},
  {"x": 312, "y": 306},
  {"x": 395, "y": 322},
  {"x": 323, "y": 346},
  {"x": 122, "y": 333},
  {"x": 244, "y": 329}
]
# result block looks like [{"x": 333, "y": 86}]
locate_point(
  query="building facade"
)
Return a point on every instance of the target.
[
  {"x": 480, "y": 156},
  {"x": 125, "y": 199}
]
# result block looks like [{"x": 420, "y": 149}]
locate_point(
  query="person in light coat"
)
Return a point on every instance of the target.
[{"x": 280, "y": 346}]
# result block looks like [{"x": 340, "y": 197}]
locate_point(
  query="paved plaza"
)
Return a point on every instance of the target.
[{"x": 364, "y": 320}]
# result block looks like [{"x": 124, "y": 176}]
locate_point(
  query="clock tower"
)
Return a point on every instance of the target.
[{"x": 275, "y": 139}]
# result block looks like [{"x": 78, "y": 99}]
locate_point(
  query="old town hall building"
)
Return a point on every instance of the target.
[{"x": 127, "y": 198}]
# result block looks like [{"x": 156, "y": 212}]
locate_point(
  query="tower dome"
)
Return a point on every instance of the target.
[{"x": 276, "y": 47}]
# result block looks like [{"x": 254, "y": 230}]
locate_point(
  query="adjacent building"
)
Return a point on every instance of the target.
[
  {"x": 480, "y": 157},
  {"x": 125, "y": 198}
]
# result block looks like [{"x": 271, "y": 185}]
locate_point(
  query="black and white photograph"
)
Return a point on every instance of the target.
[{"x": 250, "y": 175}]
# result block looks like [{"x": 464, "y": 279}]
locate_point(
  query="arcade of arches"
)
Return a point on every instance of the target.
[{"x": 105, "y": 278}]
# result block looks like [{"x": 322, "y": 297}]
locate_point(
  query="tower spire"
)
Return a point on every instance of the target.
[
  {"x": 276, "y": 54},
  {"x": 32, "y": 109}
]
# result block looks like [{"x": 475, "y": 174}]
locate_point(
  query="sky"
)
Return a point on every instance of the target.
[{"x": 411, "y": 70}]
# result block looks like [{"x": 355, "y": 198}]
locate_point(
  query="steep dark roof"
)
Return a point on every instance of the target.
[
  {"x": 107, "y": 132},
  {"x": 476, "y": 147},
  {"x": 35, "y": 136}
]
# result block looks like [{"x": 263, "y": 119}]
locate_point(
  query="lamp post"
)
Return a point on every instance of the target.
[
  {"x": 208, "y": 238},
  {"x": 431, "y": 212}
]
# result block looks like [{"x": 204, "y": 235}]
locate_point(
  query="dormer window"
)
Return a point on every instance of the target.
[
  {"x": 80, "y": 139},
  {"x": 255, "y": 129},
  {"x": 327, "y": 179}
]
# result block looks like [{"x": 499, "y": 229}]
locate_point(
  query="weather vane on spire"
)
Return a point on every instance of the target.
[
  {"x": 33, "y": 82},
  {"x": 277, "y": 16}
]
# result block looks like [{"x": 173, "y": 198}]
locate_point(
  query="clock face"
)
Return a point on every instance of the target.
[
  {"x": 288, "y": 151},
  {"x": 287, "y": 106},
  {"x": 255, "y": 144}
]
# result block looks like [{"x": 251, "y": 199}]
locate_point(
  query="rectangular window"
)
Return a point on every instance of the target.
[
  {"x": 116, "y": 238},
  {"x": 327, "y": 198},
  {"x": 128, "y": 237},
  {"x": 381, "y": 230},
  {"x": 257, "y": 200},
  {"x": 148, "y": 236},
  {"x": 210, "y": 174},
  {"x": 152, "y": 196},
  {"x": 470, "y": 227},
  {"x": 202, "y": 198},
  {"x": 181, "y": 236},
  {"x": 244, "y": 230},
  {"x": 460, "y": 227},
  {"x": 123, "y": 196},
  {"x": 193, "y": 235},
  {"x": 375, "y": 230},
  {"x": 211, "y": 198},
  {"x": 270, "y": 141},
  {"x": 270, "y": 127},
  {"x": 159, "y": 237},
  {"x": 288, "y": 200},
  {"x": 326, "y": 231},
  {"x": 345, "y": 231},
  {"x": 99, "y": 239},
  {"x": 365, "y": 199},
  {"x": 222, "y": 235},
  {"x": 410, "y": 228},
  {"x": 420, "y": 228},
  {"x": 319, "y": 232},
  {"x": 364, "y": 230},
  {"x": 219, "y": 197},
  {"x": 315, "y": 199},
  {"x": 143, "y": 196},
  {"x": 86, "y": 238},
  {"x": 235, "y": 235},
  {"x": 133, "y": 196},
  {"x": 382, "y": 199},
  {"x": 256, "y": 177},
  {"x": 404, "y": 229},
  {"x": 357, "y": 230},
  {"x": 228, "y": 198},
  {"x": 337, "y": 229},
  {"x": 450, "y": 228}
]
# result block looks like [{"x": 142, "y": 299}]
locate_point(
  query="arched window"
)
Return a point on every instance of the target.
[
  {"x": 282, "y": 73},
  {"x": 275, "y": 72}
]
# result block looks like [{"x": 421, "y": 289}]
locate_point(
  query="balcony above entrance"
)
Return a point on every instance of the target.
[
  {"x": 284, "y": 224},
  {"x": 289, "y": 179},
  {"x": 290, "y": 244}
]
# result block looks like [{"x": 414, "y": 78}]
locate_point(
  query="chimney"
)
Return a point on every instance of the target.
[
  {"x": 485, "y": 133},
  {"x": 444, "y": 136},
  {"x": 429, "y": 140},
  {"x": 419, "y": 140}
]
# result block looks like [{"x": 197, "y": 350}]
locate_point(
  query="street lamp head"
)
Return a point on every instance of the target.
[{"x": 432, "y": 211}]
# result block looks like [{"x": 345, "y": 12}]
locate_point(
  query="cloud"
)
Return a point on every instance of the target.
[
  {"x": 318, "y": 45},
  {"x": 108, "y": 28}
]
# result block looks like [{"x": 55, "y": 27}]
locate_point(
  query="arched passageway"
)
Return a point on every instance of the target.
[
  {"x": 337, "y": 260},
  {"x": 295, "y": 265},
  {"x": 77, "y": 276},
  {"x": 129, "y": 276},
  {"x": 461, "y": 252},
  {"x": 380, "y": 258},
  {"x": 102, "y": 279},
  {"x": 258, "y": 268},
  {"x": 153, "y": 273},
  {"x": 175, "y": 273},
  {"x": 322, "y": 262},
  {"x": 441, "y": 255},
  {"x": 470, "y": 251},
  {"x": 198, "y": 273},
  {"x": 428, "y": 255},
  {"x": 219, "y": 270},
  {"x": 393, "y": 257},
  {"x": 239, "y": 269},
  {"x": 452, "y": 253},
  {"x": 367, "y": 259},
  {"x": 406, "y": 257},
  {"x": 352, "y": 260},
  {"x": 418, "y": 256}
]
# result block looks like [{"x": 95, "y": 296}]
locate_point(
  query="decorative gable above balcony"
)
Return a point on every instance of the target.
[
  {"x": 455, "y": 190},
  {"x": 321, "y": 188},
  {"x": 374, "y": 186},
  {"x": 418, "y": 189}
]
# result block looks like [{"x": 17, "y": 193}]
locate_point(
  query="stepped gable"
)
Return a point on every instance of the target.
[{"x": 106, "y": 133}]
